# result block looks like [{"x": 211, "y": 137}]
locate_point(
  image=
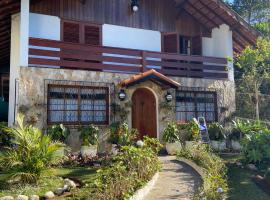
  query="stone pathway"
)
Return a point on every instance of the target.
[{"x": 177, "y": 180}]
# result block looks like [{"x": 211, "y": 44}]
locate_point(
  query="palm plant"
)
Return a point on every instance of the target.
[{"x": 31, "y": 153}]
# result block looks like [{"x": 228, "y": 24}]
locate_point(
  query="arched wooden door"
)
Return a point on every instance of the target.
[{"x": 144, "y": 116}]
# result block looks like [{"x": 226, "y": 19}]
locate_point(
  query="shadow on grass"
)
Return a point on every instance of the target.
[{"x": 241, "y": 185}]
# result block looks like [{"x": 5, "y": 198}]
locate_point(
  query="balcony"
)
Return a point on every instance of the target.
[{"x": 57, "y": 54}]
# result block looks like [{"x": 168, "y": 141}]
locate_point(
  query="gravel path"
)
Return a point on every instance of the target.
[{"x": 177, "y": 180}]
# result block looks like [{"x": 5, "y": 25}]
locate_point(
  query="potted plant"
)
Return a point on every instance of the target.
[
  {"x": 188, "y": 133},
  {"x": 89, "y": 137},
  {"x": 59, "y": 133},
  {"x": 217, "y": 136},
  {"x": 172, "y": 139}
]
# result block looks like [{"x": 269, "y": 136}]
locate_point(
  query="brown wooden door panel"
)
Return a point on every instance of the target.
[{"x": 144, "y": 116}]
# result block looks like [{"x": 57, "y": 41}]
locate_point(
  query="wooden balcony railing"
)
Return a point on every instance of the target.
[{"x": 51, "y": 53}]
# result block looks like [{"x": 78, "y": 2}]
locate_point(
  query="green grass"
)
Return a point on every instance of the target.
[
  {"x": 241, "y": 187},
  {"x": 49, "y": 182}
]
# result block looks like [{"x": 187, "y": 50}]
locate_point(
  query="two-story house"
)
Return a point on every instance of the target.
[{"x": 78, "y": 62}]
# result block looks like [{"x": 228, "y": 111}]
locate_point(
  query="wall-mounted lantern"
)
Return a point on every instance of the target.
[
  {"x": 122, "y": 95},
  {"x": 168, "y": 97},
  {"x": 134, "y": 5}
]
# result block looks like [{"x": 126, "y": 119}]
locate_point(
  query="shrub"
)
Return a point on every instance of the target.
[
  {"x": 152, "y": 143},
  {"x": 89, "y": 135},
  {"x": 121, "y": 135},
  {"x": 189, "y": 131},
  {"x": 216, "y": 132},
  {"x": 5, "y": 138},
  {"x": 214, "y": 180},
  {"x": 171, "y": 133},
  {"x": 58, "y": 132},
  {"x": 129, "y": 171},
  {"x": 256, "y": 147},
  {"x": 31, "y": 154}
]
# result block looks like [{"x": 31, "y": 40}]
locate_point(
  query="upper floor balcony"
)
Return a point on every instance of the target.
[{"x": 67, "y": 55}]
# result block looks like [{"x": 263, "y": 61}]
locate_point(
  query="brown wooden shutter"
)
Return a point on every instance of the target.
[
  {"x": 92, "y": 35},
  {"x": 71, "y": 32},
  {"x": 196, "y": 45},
  {"x": 170, "y": 43}
]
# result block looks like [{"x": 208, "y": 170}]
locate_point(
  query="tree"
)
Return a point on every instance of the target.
[
  {"x": 254, "y": 11},
  {"x": 254, "y": 63}
]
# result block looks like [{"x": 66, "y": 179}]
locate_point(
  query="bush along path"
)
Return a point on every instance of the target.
[{"x": 176, "y": 180}]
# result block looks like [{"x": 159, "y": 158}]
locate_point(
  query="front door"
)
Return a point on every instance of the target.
[{"x": 144, "y": 116}]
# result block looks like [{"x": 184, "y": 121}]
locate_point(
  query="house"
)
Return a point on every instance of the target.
[{"x": 148, "y": 62}]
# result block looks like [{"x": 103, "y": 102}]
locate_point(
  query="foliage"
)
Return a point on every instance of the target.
[
  {"x": 58, "y": 132},
  {"x": 254, "y": 70},
  {"x": 242, "y": 127},
  {"x": 170, "y": 133},
  {"x": 89, "y": 135},
  {"x": 267, "y": 175},
  {"x": 253, "y": 11},
  {"x": 31, "y": 154},
  {"x": 216, "y": 132},
  {"x": 214, "y": 171},
  {"x": 121, "y": 135},
  {"x": 189, "y": 131},
  {"x": 152, "y": 143},
  {"x": 264, "y": 28},
  {"x": 5, "y": 139},
  {"x": 256, "y": 146},
  {"x": 130, "y": 170}
]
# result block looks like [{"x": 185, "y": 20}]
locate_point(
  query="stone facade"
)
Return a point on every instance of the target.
[{"x": 32, "y": 96}]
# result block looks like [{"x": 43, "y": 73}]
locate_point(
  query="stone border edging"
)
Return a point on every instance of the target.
[
  {"x": 141, "y": 193},
  {"x": 197, "y": 168}
]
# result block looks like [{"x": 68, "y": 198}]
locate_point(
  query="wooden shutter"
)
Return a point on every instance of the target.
[
  {"x": 196, "y": 45},
  {"x": 170, "y": 43},
  {"x": 92, "y": 34},
  {"x": 71, "y": 32}
]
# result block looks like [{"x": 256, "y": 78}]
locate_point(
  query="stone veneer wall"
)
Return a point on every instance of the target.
[{"x": 31, "y": 95}]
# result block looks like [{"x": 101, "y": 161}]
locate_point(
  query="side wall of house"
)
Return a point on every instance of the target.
[{"x": 32, "y": 93}]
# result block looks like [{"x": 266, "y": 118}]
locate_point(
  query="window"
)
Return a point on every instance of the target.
[
  {"x": 185, "y": 45},
  {"x": 78, "y": 104},
  {"x": 191, "y": 104}
]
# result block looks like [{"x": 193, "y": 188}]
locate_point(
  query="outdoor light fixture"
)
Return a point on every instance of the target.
[
  {"x": 168, "y": 97},
  {"x": 122, "y": 95},
  {"x": 134, "y": 5}
]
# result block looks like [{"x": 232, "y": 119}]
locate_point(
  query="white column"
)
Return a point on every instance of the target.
[
  {"x": 24, "y": 33},
  {"x": 18, "y": 55}
]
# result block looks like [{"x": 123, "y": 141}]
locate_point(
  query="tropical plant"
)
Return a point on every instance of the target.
[
  {"x": 121, "y": 135},
  {"x": 171, "y": 133},
  {"x": 152, "y": 143},
  {"x": 31, "y": 154},
  {"x": 214, "y": 179},
  {"x": 256, "y": 147},
  {"x": 58, "y": 132},
  {"x": 216, "y": 132},
  {"x": 189, "y": 131},
  {"x": 89, "y": 135}
]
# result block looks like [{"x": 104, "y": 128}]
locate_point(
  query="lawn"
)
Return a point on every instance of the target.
[
  {"x": 240, "y": 184},
  {"x": 51, "y": 181}
]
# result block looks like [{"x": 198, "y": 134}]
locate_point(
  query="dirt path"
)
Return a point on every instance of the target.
[{"x": 177, "y": 180}]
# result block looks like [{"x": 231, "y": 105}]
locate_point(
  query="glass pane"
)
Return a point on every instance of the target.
[
  {"x": 201, "y": 107},
  {"x": 56, "y": 116},
  {"x": 71, "y": 116},
  {"x": 87, "y": 116},
  {"x": 210, "y": 117}
]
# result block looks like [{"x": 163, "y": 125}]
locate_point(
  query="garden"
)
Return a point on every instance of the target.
[
  {"x": 235, "y": 162},
  {"x": 37, "y": 164}
]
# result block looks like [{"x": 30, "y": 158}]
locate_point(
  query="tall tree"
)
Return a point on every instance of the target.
[
  {"x": 254, "y": 63},
  {"x": 254, "y": 11}
]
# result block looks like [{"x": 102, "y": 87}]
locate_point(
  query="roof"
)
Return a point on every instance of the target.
[
  {"x": 151, "y": 75},
  {"x": 209, "y": 13}
]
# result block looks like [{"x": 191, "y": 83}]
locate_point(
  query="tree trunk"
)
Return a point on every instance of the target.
[{"x": 257, "y": 105}]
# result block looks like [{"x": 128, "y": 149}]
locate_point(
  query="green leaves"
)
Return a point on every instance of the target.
[
  {"x": 31, "y": 153},
  {"x": 89, "y": 135}
]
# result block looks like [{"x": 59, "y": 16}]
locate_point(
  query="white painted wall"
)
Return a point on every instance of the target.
[
  {"x": 220, "y": 45},
  {"x": 14, "y": 65},
  {"x": 132, "y": 38},
  {"x": 44, "y": 26}
]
